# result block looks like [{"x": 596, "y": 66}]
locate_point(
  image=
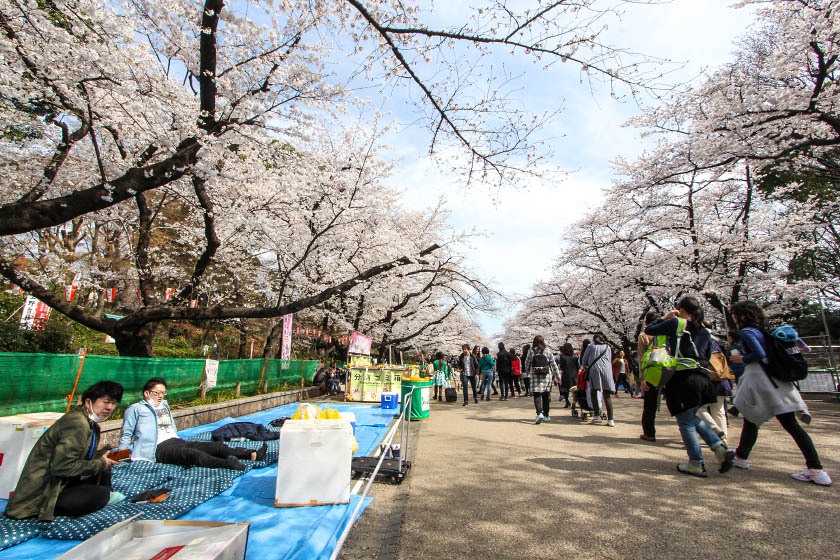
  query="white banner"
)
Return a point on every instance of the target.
[
  {"x": 34, "y": 315},
  {"x": 211, "y": 372},
  {"x": 286, "y": 349}
]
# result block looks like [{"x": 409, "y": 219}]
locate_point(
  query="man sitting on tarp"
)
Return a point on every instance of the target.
[
  {"x": 150, "y": 426},
  {"x": 65, "y": 474}
]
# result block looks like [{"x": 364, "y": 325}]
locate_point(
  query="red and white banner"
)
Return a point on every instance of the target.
[
  {"x": 167, "y": 295},
  {"x": 70, "y": 291},
  {"x": 193, "y": 303},
  {"x": 286, "y": 349},
  {"x": 110, "y": 294},
  {"x": 34, "y": 315},
  {"x": 359, "y": 344}
]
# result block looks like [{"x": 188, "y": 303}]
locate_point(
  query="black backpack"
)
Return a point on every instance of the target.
[
  {"x": 784, "y": 360},
  {"x": 540, "y": 363}
]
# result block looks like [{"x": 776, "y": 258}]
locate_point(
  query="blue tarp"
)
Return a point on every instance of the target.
[{"x": 276, "y": 533}]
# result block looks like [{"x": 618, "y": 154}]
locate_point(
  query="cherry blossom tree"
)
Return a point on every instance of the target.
[{"x": 162, "y": 126}]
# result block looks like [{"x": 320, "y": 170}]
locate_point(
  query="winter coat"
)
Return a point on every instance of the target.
[
  {"x": 569, "y": 367},
  {"x": 65, "y": 452},
  {"x": 541, "y": 381},
  {"x": 757, "y": 398},
  {"x": 688, "y": 388},
  {"x": 473, "y": 364},
  {"x": 248, "y": 430},
  {"x": 503, "y": 363},
  {"x": 596, "y": 361}
]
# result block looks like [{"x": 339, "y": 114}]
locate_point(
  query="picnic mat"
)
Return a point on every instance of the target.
[
  {"x": 212, "y": 494},
  {"x": 190, "y": 487}
]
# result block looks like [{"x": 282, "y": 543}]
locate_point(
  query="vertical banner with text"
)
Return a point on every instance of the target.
[
  {"x": 211, "y": 373},
  {"x": 34, "y": 315},
  {"x": 286, "y": 349}
]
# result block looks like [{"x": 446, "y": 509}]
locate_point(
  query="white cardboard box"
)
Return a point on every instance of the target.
[
  {"x": 18, "y": 435},
  {"x": 173, "y": 540},
  {"x": 313, "y": 465}
]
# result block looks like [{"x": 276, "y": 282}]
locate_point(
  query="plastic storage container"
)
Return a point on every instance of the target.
[{"x": 313, "y": 464}]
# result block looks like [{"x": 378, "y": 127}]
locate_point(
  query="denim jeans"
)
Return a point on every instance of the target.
[
  {"x": 486, "y": 382},
  {"x": 466, "y": 383},
  {"x": 690, "y": 425}
]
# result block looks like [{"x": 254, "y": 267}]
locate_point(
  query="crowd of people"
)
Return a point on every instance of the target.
[
  {"x": 67, "y": 473},
  {"x": 695, "y": 388}
]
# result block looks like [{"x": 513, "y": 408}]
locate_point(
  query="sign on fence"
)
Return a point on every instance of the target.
[{"x": 211, "y": 373}]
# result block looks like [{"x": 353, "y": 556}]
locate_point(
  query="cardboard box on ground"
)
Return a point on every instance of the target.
[
  {"x": 314, "y": 463},
  {"x": 18, "y": 435},
  {"x": 160, "y": 540}
]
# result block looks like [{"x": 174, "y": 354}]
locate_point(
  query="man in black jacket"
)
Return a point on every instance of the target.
[{"x": 468, "y": 365}]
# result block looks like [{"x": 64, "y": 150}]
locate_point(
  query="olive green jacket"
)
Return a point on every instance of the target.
[{"x": 59, "y": 456}]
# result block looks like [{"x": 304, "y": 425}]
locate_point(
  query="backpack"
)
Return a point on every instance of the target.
[
  {"x": 718, "y": 365},
  {"x": 784, "y": 360},
  {"x": 539, "y": 363},
  {"x": 657, "y": 358}
]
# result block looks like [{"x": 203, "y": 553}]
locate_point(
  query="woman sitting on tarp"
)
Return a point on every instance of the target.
[
  {"x": 149, "y": 425},
  {"x": 65, "y": 474}
]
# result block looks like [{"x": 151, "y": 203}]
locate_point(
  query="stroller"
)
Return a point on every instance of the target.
[{"x": 580, "y": 403}]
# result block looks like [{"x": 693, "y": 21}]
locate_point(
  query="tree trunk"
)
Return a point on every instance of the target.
[
  {"x": 137, "y": 342},
  {"x": 243, "y": 338},
  {"x": 273, "y": 340}
]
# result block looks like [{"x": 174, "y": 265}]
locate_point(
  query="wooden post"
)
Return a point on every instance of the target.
[
  {"x": 76, "y": 383},
  {"x": 237, "y": 388},
  {"x": 262, "y": 375}
]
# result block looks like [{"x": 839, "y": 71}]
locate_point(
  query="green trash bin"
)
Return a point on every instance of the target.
[{"x": 419, "y": 405}]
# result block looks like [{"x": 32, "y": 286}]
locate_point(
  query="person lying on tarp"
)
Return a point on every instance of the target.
[
  {"x": 65, "y": 474},
  {"x": 149, "y": 425},
  {"x": 245, "y": 430}
]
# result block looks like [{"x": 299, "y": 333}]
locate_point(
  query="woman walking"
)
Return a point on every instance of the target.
[
  {"x": 516, "y": 369},
  {"x": 487, "y": 367},
  {"x": 539, "y": 363},
  {"x": 526, "y": 375},
  {"x": 596, "y": 362},
  {"x": 759, "y": 397},
  {"x": 442, "y": 374},
  {"x": 569, "y": 367},
  {"x": 505, "y": 370},
  {"x": 690, "y": 387}
]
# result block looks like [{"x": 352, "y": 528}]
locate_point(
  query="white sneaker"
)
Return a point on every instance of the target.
[
  {"x": 540, "y": 419},
  {"x": 740, "y": 463},
  {"x": 547, "y": 418},
  {"x": 595, "y": 421},
  {"x": 611, "y": 423},
  {"x": 817, "y": 477}
]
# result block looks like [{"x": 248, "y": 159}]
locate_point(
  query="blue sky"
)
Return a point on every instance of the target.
[{"x": 523, "y": 228}]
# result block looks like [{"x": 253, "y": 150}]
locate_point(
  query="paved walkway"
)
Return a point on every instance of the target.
[{"x": 487, "y": 483}]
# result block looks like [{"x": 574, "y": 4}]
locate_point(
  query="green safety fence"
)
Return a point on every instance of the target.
[{"x": 43, "y": 382}]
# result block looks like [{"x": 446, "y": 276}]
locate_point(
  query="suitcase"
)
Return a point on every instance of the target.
[{"x": 450, "y": 394}]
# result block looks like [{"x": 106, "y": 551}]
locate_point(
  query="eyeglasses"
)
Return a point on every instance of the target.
[{"x": 158, "y": 393}]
